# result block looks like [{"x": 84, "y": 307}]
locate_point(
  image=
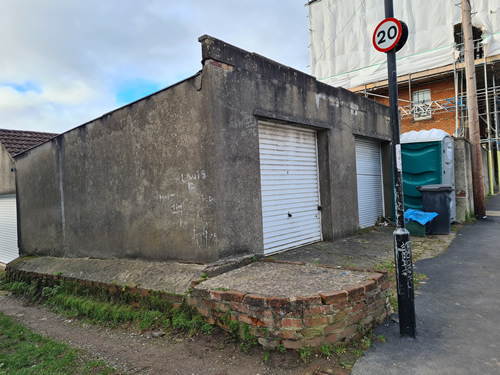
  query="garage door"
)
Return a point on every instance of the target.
[
  {"x": 8, "y": 228},
  {"x": 369, "y": 178},
  {"x": 290, "y": 188}
]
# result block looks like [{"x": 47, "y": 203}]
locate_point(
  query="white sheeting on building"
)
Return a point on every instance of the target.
[{"x": 342, "y": 53}]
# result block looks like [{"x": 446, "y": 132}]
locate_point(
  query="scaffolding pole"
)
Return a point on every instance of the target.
[
  {"x": 455, "y": 76},
  {"x": 490, "y": 154},
  {"x": 496, "y": 126}
]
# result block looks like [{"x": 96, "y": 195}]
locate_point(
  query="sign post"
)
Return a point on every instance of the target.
[{"x": 389, "y": 36}]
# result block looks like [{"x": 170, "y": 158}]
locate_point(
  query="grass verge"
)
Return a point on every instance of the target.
[
  {"x": 24, "y": 352},
  {"x": 111, "y": 308}
]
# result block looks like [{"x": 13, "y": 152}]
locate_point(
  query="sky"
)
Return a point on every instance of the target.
[{"x": 66, "y": 62}]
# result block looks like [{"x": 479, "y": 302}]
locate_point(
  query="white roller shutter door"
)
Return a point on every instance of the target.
[
  {"x": 369, "y": 180},
  {"x": 290, "y": 187},
  {"x": 8, "y": 229}
]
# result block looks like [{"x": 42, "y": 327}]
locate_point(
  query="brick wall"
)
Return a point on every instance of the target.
[
  {"x": 439, "y": 90},
  {"x": 330, "y": 317}
]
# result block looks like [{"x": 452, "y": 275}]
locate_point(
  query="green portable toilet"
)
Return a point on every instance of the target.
[{"x": 428, "y": 159}]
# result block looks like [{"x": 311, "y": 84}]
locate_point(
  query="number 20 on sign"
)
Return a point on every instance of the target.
[{"x": 387, "y": 34}]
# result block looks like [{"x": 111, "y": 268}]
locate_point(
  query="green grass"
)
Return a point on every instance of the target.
[
  {"x": 109, "y": 308},
  {"x": 281, "y": 349},
  {"x": 386, "y": 266},
  {"x": 470, "y": 217},
  {"x": 348, "y": 262},
  {"x": 326, "y": 350},
  {"x": 305, "y": 354},
  {"x": 24, "y": 352},
  {"x": 362, "y": 231},
  {"x": 417, "y": 279}
]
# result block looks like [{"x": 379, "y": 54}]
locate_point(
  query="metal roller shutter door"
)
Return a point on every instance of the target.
[
  {"x": 290, "y": 187},
  {"x": 8, "y": 228},
  {"x": 369, "y": 180}
]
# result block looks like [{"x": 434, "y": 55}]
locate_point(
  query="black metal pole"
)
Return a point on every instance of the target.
[{"x": 402, "y": 243}]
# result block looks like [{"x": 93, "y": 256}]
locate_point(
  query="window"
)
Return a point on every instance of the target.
[{"x": 422, "y": 105}]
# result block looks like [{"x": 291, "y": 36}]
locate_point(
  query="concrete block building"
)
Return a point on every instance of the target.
[
  {"x": 12, "y": 142},
  {"x": 246, "y": 157}
]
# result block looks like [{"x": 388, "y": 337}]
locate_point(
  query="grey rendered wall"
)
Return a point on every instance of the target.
[
  {"x": 246, "y": 87},
  {"x": 7, "y": 177},
  {"x": 135, "y": 183}
]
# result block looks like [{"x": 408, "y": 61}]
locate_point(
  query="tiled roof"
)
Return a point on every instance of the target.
[{"x": 17, "y": 141}]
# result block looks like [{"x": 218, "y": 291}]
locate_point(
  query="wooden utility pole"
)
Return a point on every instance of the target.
[{"x": 473, "y": 113}]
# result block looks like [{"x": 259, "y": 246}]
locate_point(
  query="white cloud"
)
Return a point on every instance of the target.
[{"x": 79, "y": 53}]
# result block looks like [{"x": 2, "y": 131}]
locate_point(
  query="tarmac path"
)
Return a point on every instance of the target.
[{"x": 457, "y": 309}]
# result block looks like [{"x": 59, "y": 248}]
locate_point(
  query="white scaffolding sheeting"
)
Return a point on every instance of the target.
[{"x": 341, "y": 31}]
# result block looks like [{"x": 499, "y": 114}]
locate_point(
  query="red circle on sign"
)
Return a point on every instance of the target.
[{"x": 385, "y": 37}]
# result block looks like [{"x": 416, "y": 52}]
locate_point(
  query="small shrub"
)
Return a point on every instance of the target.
[
  {"x": 182, "y": 320},
  {"x": 366, "y": 342},
  {"x": 248, "y": 340},
  {"x": 339, "y": 349},
  {"x": 326, "y": 350},
  {"x": 234, "y": 326},
  {"x": 281, "y": 348},
  {"x": 207, "y": 329},
  {"x": 358, "y": 352},
  {"x": 305, "y": 353},
  {"x": 267, "y": 357},
  {"x": 361, "y": 327}
]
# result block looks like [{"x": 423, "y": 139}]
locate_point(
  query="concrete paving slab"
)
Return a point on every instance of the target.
[
  {"x": 457, "y": 310},
  {"x": 286, "y": 280},
  {"x": 367, "y": 250}
]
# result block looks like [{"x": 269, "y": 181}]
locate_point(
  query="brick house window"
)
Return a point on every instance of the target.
[{"x": 422, "y": 105}]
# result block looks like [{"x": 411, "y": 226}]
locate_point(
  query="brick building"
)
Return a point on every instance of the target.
[{"x": 431, "y": 68}]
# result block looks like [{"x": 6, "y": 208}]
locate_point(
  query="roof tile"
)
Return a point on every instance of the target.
[{"x": 17, "y": 141}]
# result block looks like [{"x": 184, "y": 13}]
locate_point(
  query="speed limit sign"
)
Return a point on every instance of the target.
[{"x": 387, "y": 34}]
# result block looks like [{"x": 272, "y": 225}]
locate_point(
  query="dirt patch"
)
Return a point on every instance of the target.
[{"x": 132, "y": 353}]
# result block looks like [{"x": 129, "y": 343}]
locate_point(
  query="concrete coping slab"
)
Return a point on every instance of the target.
[
  {"x": 171, "y": 277},
  {"x": 285, "y": 279},
  {"x": 294, "y": 304}
]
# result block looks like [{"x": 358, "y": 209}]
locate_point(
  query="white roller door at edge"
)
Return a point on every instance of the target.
[
  {"x": 8, "y": 229},
  {"x": 369, "y": 180},
  {"x": 290, "y": 187}
]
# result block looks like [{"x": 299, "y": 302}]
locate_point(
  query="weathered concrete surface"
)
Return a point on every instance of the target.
[
  {"x": 368, "y": 250},
  {"x": 176, "y": 175},
  {"x": 364, "y": 251},
  {"x": 463, "y": 179},
  {"x": 135, "y": 183},
  {"x": 7, "y": 177},
  {"x": 259, "y": 88},
  {"x": 171, "y": 277},
  {"x": 457, "y": 310},
  {"x": 288, "y": 280},
  {"x": 294, "y": 304}
]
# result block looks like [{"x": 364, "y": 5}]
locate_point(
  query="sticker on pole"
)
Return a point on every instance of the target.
[{"x": 387, "y": 34}]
